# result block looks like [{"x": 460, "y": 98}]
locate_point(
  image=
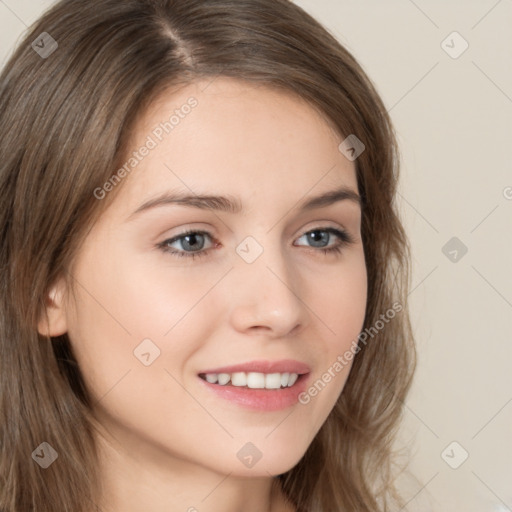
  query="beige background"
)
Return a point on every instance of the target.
[{"x": 454, "y": 120}]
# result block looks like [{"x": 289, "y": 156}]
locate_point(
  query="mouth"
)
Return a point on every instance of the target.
[
  {"x": 265, "y": 390},
  {"x": 254, "y": 380}
]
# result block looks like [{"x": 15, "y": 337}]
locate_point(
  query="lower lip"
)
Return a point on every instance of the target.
[{"x": 260, "y": 399}]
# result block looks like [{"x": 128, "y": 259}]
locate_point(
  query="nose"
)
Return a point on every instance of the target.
[{"x": 266, "y": 297}]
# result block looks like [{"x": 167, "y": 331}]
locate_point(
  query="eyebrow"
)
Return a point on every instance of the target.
[{"x": 231, "y": 204}]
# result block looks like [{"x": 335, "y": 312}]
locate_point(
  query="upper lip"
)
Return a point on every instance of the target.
[{"x": 281, "y": 366}]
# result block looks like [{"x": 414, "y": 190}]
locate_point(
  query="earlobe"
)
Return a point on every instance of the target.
[{"x": 53, "y": 320}]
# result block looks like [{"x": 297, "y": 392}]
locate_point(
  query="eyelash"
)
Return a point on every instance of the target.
[{"x": 344, "y": 237}]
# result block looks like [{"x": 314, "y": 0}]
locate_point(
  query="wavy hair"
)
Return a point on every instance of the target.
[{"x": 65, "y": 119}]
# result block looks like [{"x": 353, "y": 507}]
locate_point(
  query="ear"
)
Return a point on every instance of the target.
[{"x": 53, "y": 320}]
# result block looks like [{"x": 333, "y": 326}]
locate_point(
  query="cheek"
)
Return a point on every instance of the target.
[
  {"x": 342, "y": 304},
  {"x": 122, "y": 302},
  {"x": 342, "y": 310},
  {"x": 131, "y": 368}
]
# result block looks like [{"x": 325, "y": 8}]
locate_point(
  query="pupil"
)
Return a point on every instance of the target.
[
  {"x": 316, "y": 237},
  {"x": 194, "y": 240}
]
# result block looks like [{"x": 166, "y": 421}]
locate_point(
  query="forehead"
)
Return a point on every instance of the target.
[{"x": 236, "y": 138}]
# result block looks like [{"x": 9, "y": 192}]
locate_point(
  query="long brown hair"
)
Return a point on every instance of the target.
[{"x": 66, "y": 108}]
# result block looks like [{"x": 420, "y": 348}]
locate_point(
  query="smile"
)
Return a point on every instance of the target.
[{"x": 252, "y": 380}]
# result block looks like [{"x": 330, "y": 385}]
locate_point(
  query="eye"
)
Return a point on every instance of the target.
[
  {"x": 315, "y": 236},
  {"x": 194, "y": 240},
  {"x": 191, "y": 239}
]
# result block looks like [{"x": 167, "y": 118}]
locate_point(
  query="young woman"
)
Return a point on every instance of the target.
[{"x": 204, "y": 277}]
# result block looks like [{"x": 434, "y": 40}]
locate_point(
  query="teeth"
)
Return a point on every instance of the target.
[
  {"x": 272, "y": 380},
  {"x": 292, "y": 379},
  {"x": 238, "y": 379},
  {"x": 222, "y": 377},
  {"x": 254, "y": 380}
]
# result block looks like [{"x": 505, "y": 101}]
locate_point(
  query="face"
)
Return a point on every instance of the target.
[{"x": 266, "y": 283}]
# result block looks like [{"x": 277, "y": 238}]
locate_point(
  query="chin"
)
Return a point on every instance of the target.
[{"x": 275, "y": 463}]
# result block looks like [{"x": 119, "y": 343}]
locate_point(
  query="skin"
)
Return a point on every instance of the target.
[{"x": 167, "y": 442}]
